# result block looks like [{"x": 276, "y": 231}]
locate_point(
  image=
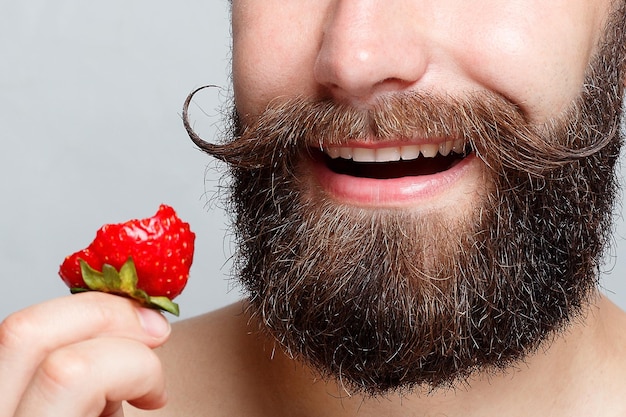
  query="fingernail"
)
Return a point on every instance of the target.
[{"x": 153, "y": 322}]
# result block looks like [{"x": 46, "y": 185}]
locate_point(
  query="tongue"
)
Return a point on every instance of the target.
[{"x": 388, "y": 170}]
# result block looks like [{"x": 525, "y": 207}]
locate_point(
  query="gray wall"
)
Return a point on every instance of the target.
[{"x": 90, "y": 101}]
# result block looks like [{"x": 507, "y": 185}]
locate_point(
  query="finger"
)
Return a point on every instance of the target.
[
  {"x": 28, "y": 336},
  {"x": 92, "y": 378}
]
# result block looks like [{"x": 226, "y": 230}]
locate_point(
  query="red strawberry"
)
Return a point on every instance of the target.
[{"x": 147, "y": 259}]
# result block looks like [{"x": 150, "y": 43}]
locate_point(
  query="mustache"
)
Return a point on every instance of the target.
[{"x": 493, "y": 127}]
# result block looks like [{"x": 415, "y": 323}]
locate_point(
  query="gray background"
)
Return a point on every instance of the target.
[{"x": 90, "y": 100}]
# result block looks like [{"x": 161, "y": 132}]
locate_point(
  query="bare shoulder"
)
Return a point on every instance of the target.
[{"x": 214, "y": 364}]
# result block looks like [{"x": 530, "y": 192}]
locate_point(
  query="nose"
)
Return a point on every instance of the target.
[{"x": 368, "y": 48}]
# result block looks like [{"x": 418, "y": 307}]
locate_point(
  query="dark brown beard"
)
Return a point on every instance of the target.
[{"x": 389, "y": 300}]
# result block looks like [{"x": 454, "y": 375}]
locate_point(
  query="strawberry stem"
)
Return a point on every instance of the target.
[{"x": 123, "y": 283}]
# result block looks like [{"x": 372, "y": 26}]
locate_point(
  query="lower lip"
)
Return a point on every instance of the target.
[{"x": 395, "y": 192}]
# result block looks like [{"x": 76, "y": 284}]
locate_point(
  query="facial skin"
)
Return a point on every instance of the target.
[{"x": 425, "y": 279}]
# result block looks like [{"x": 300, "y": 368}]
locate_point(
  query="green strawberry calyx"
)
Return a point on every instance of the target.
[{"x": 122, "y": 282}]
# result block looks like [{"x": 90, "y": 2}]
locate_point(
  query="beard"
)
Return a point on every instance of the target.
[{"x": 392, "y": 299}]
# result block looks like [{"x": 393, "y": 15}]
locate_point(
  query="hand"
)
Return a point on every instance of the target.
[{"x": 81, "y": 355}]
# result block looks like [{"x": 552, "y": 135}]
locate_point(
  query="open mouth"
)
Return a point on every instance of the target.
[{"x": 396, "y": 161}]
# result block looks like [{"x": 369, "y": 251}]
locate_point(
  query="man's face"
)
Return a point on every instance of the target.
[
  {"x": 412, "y": 205},
  {"x": 532, "y": 52},
  {"x": 355, "y": 52}
]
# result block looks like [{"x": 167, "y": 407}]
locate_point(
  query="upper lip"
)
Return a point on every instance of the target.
[{"x": 395, "y": 152}]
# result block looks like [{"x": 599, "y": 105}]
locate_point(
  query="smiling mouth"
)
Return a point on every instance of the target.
[{"x": 396, "y": 161}]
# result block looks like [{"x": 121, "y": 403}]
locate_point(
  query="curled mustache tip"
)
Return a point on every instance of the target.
[
  {"x": 203, "y": 145},
  {"x": 239, "y": 153}
]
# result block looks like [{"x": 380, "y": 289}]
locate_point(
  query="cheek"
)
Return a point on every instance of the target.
[
  {"x": 538, "y": 62},
  {"x": 542, "y": 77},
  {"x": 274, "y": 49}
]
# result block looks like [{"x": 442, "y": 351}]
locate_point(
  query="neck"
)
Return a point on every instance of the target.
[{"x": 560, "y": 376}]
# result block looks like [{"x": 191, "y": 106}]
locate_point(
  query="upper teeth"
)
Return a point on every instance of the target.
[{"x": 396, "y": 153}]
